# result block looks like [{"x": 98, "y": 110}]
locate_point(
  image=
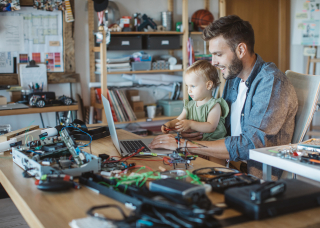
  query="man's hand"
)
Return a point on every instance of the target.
[
  {"x": 183, "y": 125},
  {"x": 165, "y": 142}
]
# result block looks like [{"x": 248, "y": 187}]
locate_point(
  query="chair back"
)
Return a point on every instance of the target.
[{"x": 307, "y": 88}]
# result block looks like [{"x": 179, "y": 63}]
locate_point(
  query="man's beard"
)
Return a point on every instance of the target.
[{"x": 235, "y": 68}]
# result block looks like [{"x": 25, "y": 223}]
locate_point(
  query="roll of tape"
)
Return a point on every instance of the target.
[{"x": 161, "y": 28}]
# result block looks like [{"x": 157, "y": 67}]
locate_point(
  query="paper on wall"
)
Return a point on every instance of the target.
[
  {"x": 11, "y": 33},
  {"x": 306, "y": 30},
  {"x": 40, "y": 28},
  {"x": 6, "y": 62}
]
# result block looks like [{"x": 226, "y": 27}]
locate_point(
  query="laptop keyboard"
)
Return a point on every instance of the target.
[{"x": 132, "y": 146}]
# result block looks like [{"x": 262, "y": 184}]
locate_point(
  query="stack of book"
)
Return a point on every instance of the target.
[
  {"x": 115, "y": 65},
  {"x": 120, "y": 107},
  {"x": 207, "y": 57}
]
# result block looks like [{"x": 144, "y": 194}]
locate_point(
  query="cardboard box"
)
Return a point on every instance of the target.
[
  {"x": 140, "y": 115},
  {"x": 15, "y": 96},
  {"x": 137, "y": 106},
  {"x": 3, "y": 100},
  {"x": 131, "y": 93},
  {"x": 135, "y": 98}
]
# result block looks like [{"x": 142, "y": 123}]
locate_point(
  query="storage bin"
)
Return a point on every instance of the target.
[
  {"x": 145, "y": 65},
  {"x": 125, "y": 43},
  {"x": 159, "y": 42},
  {"x": 171, "y": 107}
]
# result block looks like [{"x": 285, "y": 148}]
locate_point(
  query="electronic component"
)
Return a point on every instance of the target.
[
  {"x": 71, "y": 144},
  {"x": 34, "y": 166},
  {"x": 267, "y": 190},
  {"x": 154, "y": 206},
  {"x": 104, "y": 156},
  {"x": 298, "y": 196},
  {"x": 309, "y": 160},
  {"x": 220, "y": 184},
  {"x": 180, "y": 190},
  {"x": 56, "y": 183},
  {"x": 208, "y": 173},
  {"x": 30, "y": 135},
  {"x": 116, "y": 166}
]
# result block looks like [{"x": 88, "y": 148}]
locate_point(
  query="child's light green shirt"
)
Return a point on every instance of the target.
[{"x": 201, "y": 113}]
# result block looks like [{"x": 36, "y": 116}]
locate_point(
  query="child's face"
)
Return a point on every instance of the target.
[{"x": 197, "y": 88}]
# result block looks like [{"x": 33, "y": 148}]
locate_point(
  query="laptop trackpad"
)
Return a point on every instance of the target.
[{"x": 147, "y": 141}]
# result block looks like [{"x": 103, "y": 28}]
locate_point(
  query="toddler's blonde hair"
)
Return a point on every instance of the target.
[{"x": 204, "y": 68}]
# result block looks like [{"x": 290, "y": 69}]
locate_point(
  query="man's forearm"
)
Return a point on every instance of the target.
[{"x": 215, "y": 149}]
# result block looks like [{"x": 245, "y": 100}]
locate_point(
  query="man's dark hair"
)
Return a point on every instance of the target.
[{"x": 233, "y": 29}]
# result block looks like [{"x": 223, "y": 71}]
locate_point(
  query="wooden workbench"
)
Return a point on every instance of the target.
[{"x": 44, "y": 209}]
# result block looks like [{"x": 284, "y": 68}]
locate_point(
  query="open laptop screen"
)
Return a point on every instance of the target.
[{"x": 111, "y": 125}]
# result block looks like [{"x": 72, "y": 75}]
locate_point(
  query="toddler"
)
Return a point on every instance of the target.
[{"x": 203, "y": 113}]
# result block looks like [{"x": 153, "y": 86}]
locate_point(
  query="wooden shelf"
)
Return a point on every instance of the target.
[
  {"x": 97, "y": 49},
  {"x": 196, "y": 33},
  {"x": 31, "y": 110},
  {"x": 144, "y": 71},
  {"x": 148, "y": 120},
  {"x": 148, "y": 33},
  {"x": 100, "y": 106},
  {"x": 53, "y": 78}
]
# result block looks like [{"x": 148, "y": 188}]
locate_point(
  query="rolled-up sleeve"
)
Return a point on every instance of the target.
[{"x": 265, "y": 112}]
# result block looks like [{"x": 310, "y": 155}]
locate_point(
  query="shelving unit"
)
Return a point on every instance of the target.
[
  {"x": 144, "y": 71},
  {"x": 222, "y": 13},
  {"x": 148, "y": 33},
  {"x": 102, "y": 50}
]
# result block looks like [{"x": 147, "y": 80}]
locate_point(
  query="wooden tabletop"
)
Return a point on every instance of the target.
[
  {"x": 44, "y": 209},
  {"x": 60, "y": 108}
]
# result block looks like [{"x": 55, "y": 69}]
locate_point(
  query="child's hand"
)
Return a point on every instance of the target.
[
  {"x": 183, "y": 125},
  {"x": 164, "y": 129}
]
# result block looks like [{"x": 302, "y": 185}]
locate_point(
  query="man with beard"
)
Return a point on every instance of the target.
[{"x": 262, "y": 102}]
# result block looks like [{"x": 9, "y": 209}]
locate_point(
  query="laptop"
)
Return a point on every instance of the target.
[
  {"x": 13, "y": 106},
  {"x": 127, "y": 147}
]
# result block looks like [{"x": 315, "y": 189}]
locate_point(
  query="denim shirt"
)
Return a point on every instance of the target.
[{"x": 268, "y": 115}]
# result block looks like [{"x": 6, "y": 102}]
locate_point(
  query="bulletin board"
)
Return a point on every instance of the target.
[
  {"x": 31, "y": 34},
  {"x": 306, "y": 29},
  {"x": 68, "y": 58}
]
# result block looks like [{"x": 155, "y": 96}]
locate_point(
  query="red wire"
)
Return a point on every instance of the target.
[
  {"x": 126, "y": 158},
  {"x": 145, "y": 159},
  {"x": 166, "y": 160}
]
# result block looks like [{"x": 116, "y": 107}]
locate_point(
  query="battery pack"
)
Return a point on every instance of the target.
[{"x": 298, "y": 196}]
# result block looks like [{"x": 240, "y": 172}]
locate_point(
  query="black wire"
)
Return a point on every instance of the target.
[{"x": 25, "y": 173}]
